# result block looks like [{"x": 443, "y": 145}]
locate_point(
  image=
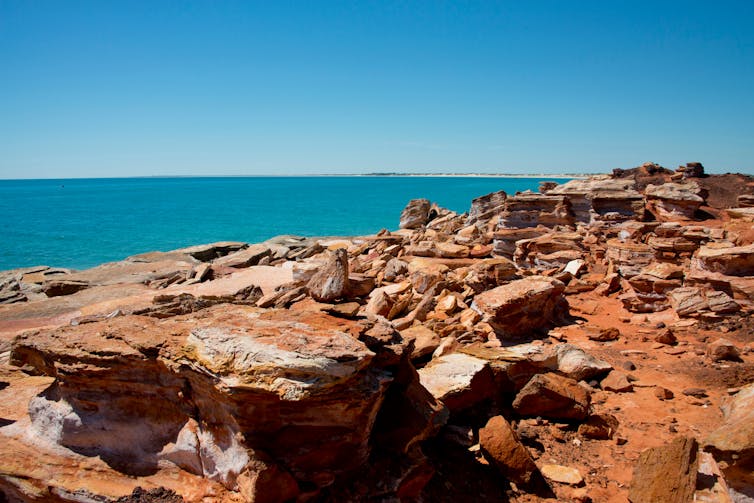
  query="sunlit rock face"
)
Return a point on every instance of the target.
[{"x": 209, "y": 393}]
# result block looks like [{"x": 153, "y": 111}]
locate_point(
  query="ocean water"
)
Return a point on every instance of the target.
[{"x": 80, "y": 223}]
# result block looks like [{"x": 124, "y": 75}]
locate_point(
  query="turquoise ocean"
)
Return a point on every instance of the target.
[{"x": 80, "y": 223}]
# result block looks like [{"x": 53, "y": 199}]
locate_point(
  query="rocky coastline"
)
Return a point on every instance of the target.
[{"x": 589, "y": 342}]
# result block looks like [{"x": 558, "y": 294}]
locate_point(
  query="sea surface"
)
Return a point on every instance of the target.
[{"x": 80, "y": 223}]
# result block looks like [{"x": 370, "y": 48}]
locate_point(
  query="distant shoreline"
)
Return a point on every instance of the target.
[{"x": 560, "y": 176}]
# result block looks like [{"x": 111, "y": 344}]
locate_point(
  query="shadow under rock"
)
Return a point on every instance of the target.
[{"x": 460, "y": 477}]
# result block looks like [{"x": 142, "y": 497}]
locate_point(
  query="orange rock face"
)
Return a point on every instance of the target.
[{"x": 207, "y": 392}]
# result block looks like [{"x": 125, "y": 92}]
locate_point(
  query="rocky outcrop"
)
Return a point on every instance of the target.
[
  {"x": 674, "y": 201},
  {"x": 692, "y": 301},
  {"x": 629, "y": 257},
  {"x": 691, "y": 170},
  {"x": 602, "y": 200},
  {"x": 288, "y": 369},
  {"x": 256, "y": 389},
  {"x": 731, "y": 261},
  {"x": 486, "y": 208},
  {"x": 504, "y": 240},
  {"x": 527, "y": 209}
]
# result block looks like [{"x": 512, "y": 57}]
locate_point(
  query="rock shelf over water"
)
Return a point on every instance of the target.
[{"x": 590, "y": 342}]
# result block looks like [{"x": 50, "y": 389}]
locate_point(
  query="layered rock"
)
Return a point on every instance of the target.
[
  {"x": 522, "y": 307},
  {"x": 213, "y": 393},
  {"x": 602, "y": 199},
  {"x": 415, "y": 215},
  {"x": 486, "y": 208},
  {"x": 629, "y": 257},
  {"x": 527, "y": 209},
  {"x": 731, "y": 261},
  {"x": 674, "y": 201}
]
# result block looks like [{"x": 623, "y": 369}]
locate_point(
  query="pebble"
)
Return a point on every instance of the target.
[
  {"x": 562, "y": 474},
  {"x": 695, "y": 392},
  {"x": 633, "y": 352},
  {"x": 663, "y": 393}
]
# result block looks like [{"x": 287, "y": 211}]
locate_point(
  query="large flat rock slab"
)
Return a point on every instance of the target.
[{"x": 731, "y": 261}]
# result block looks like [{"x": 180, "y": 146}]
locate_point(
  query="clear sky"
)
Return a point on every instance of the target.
[{"x": 106, "y": 88}]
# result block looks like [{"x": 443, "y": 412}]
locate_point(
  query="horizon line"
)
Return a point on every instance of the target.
[{"x": 325, "y": 175}]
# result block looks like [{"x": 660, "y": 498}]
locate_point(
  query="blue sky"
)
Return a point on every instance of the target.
[{"x": 134, "y": 88}]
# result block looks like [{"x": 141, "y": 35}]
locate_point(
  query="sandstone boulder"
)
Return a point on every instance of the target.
[
  {"x": 616, "y": 381},
  {"x": 415, "y": 215},
  {"x": 629, "y": 257},
  {"x": 331, "y": 281},
  {"x": 424, "y": 339},
  {"x": 723, "y": 349},
  {"x": 552, "y": 396},
  {"x": 562, "y": 474},
  {"x": 599, "y": 427},
  {"x": 666, "y": 473},
  {"x": 57, "y": 287},
  {"x": 487, "y": 207},
  {"x": 459, "y": 381},
  {"x": 573, "y": 362},
  {"x": 394, "y": 269},
  {"x": 674, "y": 201},
  {"x": 522, "y": 307},
  {"x": 243, "y": 258},
  {"x": 732, "y": 261},
  {"x": 736, "y": 435},
  {"x": 692, "y": 301},
  {"x": 206, "y": 392},
  {"x": 502, "y": 448}
]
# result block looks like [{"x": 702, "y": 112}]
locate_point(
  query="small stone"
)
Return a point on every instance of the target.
[
  {"x": 617, "y": 381},
  {"x": 666, "y": 337},
  {"x": 345, "y": 310},
  {"x": 562, "y": 474},
  {"x": 627, "y": 365},
  {"x": 599, "y": 427},
  {"x": 663, "y": 393},
  {"x": 604, "y": 334},
  {"x": 695, "y": 392}
]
